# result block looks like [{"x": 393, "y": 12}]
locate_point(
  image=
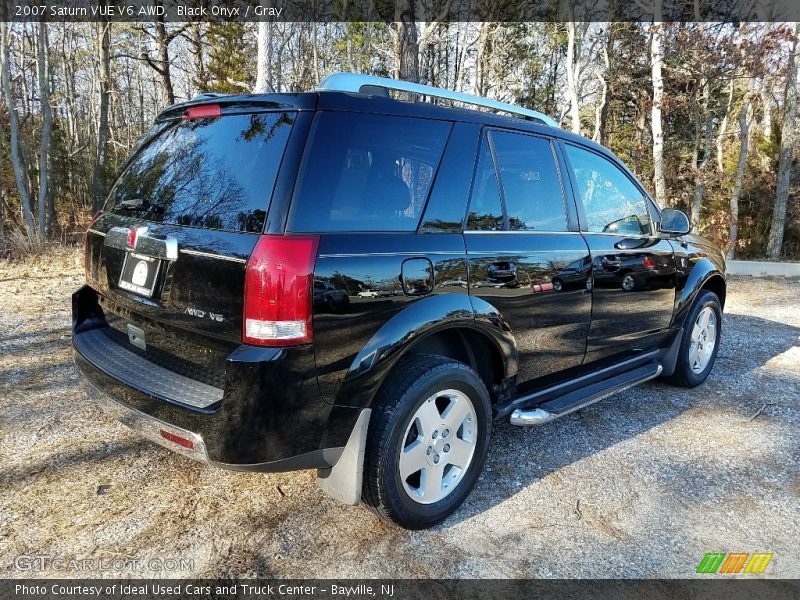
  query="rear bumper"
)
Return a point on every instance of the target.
[
  {"x": 269, "y": 416},
  {"x": 149, "y": 427}
]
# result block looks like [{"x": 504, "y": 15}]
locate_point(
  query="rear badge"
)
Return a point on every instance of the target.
[{"x": 202, "y": 314}]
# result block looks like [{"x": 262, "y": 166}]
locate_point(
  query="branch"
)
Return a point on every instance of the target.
[
  {"x": 152, "y": 63},
  {"x": 177, "y": 32}
]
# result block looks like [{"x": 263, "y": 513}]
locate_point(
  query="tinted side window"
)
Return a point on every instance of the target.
[
  {"x": 364, "y": 172},
  {"x": 485, "y": 211},
  {"x": 531, "y": 182},
  {"x": 214, "y": 173},
  {"x": 611, "y": 202}
]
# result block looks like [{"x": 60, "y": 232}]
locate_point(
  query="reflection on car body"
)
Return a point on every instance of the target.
[{"x": 326, "y": 296}]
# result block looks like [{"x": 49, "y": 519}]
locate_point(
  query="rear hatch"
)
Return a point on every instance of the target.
[{"x": 168, "y": 254}]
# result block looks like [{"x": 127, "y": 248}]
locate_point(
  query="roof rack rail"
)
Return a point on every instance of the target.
[{"x": 355, "y": 82}]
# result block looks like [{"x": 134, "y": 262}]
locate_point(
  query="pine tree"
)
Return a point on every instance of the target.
[{"x": 231, "y": 58}]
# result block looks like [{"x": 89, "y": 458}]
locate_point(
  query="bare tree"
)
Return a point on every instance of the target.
[
  {"x": 602, "y": 73},
  {"x": 700, "y": 169},
  {"x": 723, "y": 126},
  {"x": 47, "y": 127},
  {"x": 483, "y": 59},
  {"x": 573, "y": 72},
  {"x": 103, "y": 44},
  {"x": 406, "y": 42},
  {"x": 163, "y": 64},
  {"x": 744, "y": 142},
  {"x": 786, "y": 153},
  {"x": 264, "y": 63},
  {"x": 656, "y": 60},
  {"x": 17, "y": 159},
  {"x": 200, "y": 74}
]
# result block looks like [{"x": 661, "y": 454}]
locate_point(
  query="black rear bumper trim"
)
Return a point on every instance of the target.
[{"x": 129, "y": 368}]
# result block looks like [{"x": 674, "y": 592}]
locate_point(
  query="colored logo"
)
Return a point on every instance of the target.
[{"x": 734, "y": 562}]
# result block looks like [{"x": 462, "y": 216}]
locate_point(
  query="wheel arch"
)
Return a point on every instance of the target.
[
  {"x": 468, "y": 346},
  {"x": 458, "y": 326},
  {"x": 716, "y": 283},
  {"x": 704, "y": 276}
]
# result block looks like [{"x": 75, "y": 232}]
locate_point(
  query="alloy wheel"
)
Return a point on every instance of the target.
[
  {"x": 438, "y": 446},
  {"x": 703, "y": 340}
]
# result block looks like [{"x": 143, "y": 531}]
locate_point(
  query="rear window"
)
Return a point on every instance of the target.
[
  {"x": 364, "y": 172},
  {"x": 212, "y": 173}
]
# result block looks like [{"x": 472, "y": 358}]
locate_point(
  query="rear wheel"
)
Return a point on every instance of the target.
[
  {"x": 629, "y": 282},
  {"x": 700, "y": 342},
  {"x": 428, "y": 440}
]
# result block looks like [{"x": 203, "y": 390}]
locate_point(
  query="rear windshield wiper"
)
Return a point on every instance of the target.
[
  {"x": 132, "y": 204},
  {"x": 140, "y": 204}
]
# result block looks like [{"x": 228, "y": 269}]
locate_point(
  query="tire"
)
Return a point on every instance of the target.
[
  {"x": 630, "y": 282},
  {"x": 687, "y": 374},
  {"x": 422, "y": 389},
  {"x": 557, "y": 285}
]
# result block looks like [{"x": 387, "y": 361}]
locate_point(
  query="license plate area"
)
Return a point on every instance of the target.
[{"x": 139, "y": 274}]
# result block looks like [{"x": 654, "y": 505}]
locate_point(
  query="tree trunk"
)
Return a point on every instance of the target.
[
  {"x": 200, "y": 74},
  {"x": 723, "y": 126},
  {"x": 656, "y": 58},
  {"x": 483, "y": 60},
  {"x": 700, "y": 181},
  {"x": 766, "y": 100},
  {"x": 786, "y": 154},
  {"x": 17, "y": 160},
  {"x": 744, "y": 139},
  {"x": 601, "y": 110},
  {"x": 101, "y": 151},
  {"x": 163, "y": 60},
  {"x": 407, "y": 43},
  {"x": 573, "y": 69},
  {"x": 315, "y": 51},
  {"x": 47, "y": 127},
  {"x": 264, "y": 63}
]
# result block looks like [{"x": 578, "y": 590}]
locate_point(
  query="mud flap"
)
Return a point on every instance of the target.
[{"x": 343, "y": 481}]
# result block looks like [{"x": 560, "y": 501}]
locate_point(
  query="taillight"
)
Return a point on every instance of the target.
[
  {"x": 648, "y": 263},
  {"x": 95, "y": 216},
  {"x": 278, "y": 290},
  {"x": 204, "y": 111}
]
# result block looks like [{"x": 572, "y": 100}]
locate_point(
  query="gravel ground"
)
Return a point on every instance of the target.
[{"x": 642, "y": 484}]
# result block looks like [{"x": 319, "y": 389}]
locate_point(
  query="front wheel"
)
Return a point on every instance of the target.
[
  {"x": 700, "y": 343},
  {"x": 428, "y": 440}
]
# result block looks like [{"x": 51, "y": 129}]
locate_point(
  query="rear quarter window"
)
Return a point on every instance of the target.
[
  {"x": 215, "y": 173},
  {"x": 366, "y": 172}
]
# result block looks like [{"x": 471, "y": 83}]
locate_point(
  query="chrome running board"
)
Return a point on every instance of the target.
[{"x": 549, "y": 411}]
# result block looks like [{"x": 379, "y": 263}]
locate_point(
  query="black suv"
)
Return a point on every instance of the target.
[{"x": 343, "y": 281}]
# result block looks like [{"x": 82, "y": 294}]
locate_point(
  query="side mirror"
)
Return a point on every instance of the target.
[{"x": 674, "y": 222}]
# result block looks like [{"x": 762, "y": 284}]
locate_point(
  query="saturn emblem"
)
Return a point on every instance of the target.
[{"x": 139, "y": 276}]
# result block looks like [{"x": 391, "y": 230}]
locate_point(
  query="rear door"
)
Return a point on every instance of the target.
[
  {"x": 168, "y": 254},
  {"x": 525, "y": 254},
  {"x": 633, "y": 271}
]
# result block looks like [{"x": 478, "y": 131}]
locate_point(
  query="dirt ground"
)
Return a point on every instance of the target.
[{"x": 642, "y": 484}]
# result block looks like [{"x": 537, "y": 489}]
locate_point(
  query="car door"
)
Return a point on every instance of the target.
[
  {"x": 525, "y": 254},
  {"x": 633, "y": 270}
]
